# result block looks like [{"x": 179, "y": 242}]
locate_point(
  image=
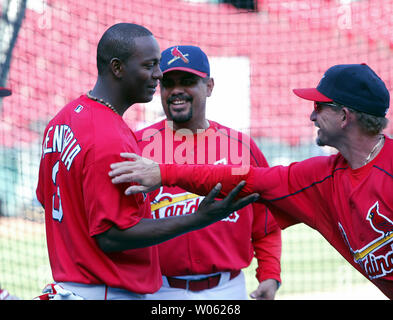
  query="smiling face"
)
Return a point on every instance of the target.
[
  {"x": 327, "y": 119},
  {"x": 142, "y": 70},
  {"x": 183, "y": 96}
]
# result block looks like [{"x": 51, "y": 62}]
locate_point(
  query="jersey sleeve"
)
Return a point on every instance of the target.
[
  {"x": 201, "y": 179},
  {"x": 266, "y": 234},
  {"x": 268, "y": 254},
  {"x": 105, "y": 202},
  {"x": 296, "y": 193}
]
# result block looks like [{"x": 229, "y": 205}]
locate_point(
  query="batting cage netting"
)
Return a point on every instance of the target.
[{"x": 259, "y": 51}]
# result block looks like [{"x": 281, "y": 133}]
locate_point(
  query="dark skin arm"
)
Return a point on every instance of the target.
[{"x": 149, "y": 232}]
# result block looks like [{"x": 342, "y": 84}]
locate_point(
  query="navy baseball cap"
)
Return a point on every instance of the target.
[
  {"x": 185, "y": 58},
  {"x": 353, "y": 85}
]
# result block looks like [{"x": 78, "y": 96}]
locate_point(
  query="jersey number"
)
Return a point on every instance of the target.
[{"x": 57, "y": 210}]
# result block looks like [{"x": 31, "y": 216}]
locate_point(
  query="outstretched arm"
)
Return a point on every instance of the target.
[
  {"x": 295, "y": 193},
  {"x": 149, "y": 232},
  {"x": 199, "y": 179}
]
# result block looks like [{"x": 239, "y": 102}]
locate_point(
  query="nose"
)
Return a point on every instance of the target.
[
  {"x": 313, "y": 115},
  {"x": 157, "y": 74},
  {"x": 176, "y": 87}
]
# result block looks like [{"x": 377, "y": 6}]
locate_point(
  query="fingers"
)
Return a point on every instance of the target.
[
  {"x": 235, "y": 191},
  {"x": 213, "y": 193},
  {"x": 132, "y": 156},
  {"x": 255, "y": 294},
  {"x": 123, "y": 178},
  {"x": 137, "y": 162},
  {"x": 119, "y": 169},
  {"x": 242, "y": 202},
  {"x": 129, "y": 155},
  {"x": 121, "y": 164},
  {"x": 136, "y": 158},
  {"x": 245, "y": 201},
  {"x": 122, "y": 171},
  {"x": 135, "y": 189}
]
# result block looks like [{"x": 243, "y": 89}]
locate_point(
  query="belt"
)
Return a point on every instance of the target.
[{"x": 200, "y": 284}]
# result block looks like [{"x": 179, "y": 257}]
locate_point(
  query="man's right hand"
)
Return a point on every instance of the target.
[
  {"x": 147, "y": 174},
  {"x": 215, "y": 210},
  {"x": 148, "y": 232}
]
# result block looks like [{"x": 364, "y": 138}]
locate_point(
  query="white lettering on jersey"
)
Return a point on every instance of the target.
[
  {"x": 168, "y": 205},
  {"x": 376, "y": 257},
  {"x": 60, "y": 138}
]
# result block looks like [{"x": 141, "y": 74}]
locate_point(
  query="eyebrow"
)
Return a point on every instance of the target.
[{"x": 152, "y": 59}]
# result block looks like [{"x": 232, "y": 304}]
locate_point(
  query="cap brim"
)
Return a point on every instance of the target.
[
  {"x": 4, "y": 92},
  {"x": 311, "y": 94},
  {"x": 198, "y": 73}
]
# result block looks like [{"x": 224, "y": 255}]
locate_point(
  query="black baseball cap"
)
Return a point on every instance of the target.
[
  {"x": 354, "y": 85},
  {"x": 185, "y": 58}
]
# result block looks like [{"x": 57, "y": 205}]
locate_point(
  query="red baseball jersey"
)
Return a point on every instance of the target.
[
  {"x": 229, "y": 244},
  {"x": 80, "y": 201},
  {"x": 352, "y": 209}
]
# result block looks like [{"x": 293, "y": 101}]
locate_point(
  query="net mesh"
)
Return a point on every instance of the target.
[{"x": 286, "y": 44}]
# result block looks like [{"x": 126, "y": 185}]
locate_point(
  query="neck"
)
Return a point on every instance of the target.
[
  {"x": 110, "y": 94},
  {"x": 192, "y": 126},
  {"x": 361, "y": 150}
]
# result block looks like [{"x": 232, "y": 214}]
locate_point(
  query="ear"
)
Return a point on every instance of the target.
[
  {"x": 210, "y": 86},
  {"x": 346, "y": 117},
  {"x": 116, "y": 66}
]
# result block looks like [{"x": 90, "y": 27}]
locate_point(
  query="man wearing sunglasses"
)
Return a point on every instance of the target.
[
  {"x": 346, "y": 196},
  {"x": 368, "y": 123}
]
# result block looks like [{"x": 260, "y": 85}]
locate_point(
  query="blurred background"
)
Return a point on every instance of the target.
[{"x": 259, "y": 51}]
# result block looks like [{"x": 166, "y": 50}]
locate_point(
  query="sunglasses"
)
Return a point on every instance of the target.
[{"x": 318, "y": 106}]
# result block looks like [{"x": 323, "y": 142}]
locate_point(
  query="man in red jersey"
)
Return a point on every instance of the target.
[
  {"x": 346, "y": 196},
  {"x": 99, "y": 241},
  {"x": 208, "y": 262}
]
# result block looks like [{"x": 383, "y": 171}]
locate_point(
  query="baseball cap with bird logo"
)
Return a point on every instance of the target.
[{"x": 185, "y": 58}]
